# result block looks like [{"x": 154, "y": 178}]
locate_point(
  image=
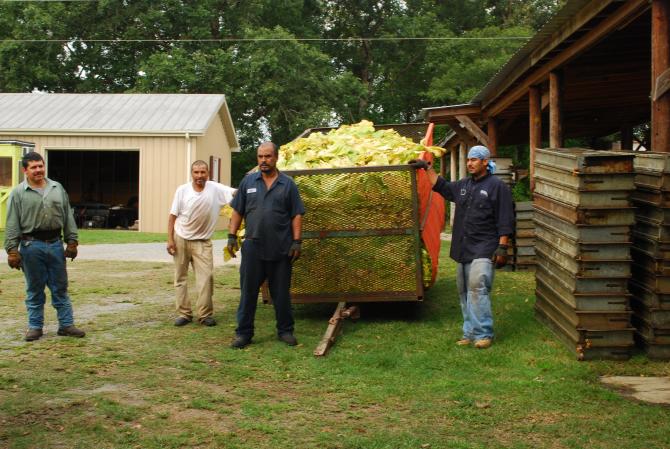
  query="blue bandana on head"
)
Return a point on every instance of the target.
[{"x": 481, "y": 152}]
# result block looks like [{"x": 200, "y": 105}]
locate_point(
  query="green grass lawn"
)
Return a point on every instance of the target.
[
  {"x": 96, "y": 236},
  {"x": 394, "y": 380}
]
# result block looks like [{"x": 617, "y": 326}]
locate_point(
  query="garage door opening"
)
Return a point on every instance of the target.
[{"x": 103, "y": 185}]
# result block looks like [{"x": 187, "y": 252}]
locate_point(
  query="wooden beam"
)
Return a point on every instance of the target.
[
  {"x": 474, "y": 129},
  {"x": 535, "y": 125},
  {"x": 462, "y": 133},
  {"x": 606, "y": 26},
  {"x": 555, "y": 111},
  {"x": 627, "y": 138},
  {"x": 662, "y": 85},
  {"x": 440, "y": 114},
  {"x": 660, "y": 63},
  {"x": 492, "y": 130}
]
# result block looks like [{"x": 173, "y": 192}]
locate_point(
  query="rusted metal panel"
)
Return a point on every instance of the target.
[
  {"x": 579, "y": 160},
  {"x": 657, "y": 318},
  {"x": 645, "y": 260},
  {"x": 652, "y": 180},
  {"x": 610, "y": 216},
  {"x": 652, "y": 161},
  {"x": 525, "y": 251},
  {"x": 658, "y": 249},
  {"x": 652, "y": 230},
  {"x": 580, "y": 284},
  {"x": 652, "y": 213},
  {"x": 525, "y": 224},
  {"x": 586, "y": 319},
  {"x": 586, "y": 344},
  {"x": 658, "y": 198},
  {"x": 651, "y": 281},
  {"x": 651, "y": 334},
  {"x": 525, "y": 241},
  {"x": 586, "y": 199},
  {"x": 651, "y": 299},
  {"x": 584, "y": 250},
  {"x": 525, "y": 233},
  {"x": 587, "y": 182},
  {"x": 583, "y": 233},
  {"x": 580, "y": 301},
  {"x": 584, "y": 268}
]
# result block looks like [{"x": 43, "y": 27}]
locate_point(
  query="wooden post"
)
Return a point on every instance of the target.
[
  {"x": 555, "y": 111},
  {"x": 453, "y": 176},
  {"x": 627, "y": 138},
  {"x": 492, "y": 130},
  {"x": 535, "y": 124},
  {"x": 660, "y": 62},
  {"x": 443, "y": 165},
  {"x": 462, "y": 160}
]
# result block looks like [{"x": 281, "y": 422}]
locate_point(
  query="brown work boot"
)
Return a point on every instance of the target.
[
  {"x": 70, "y": 331},
  {"x": 463, "y": 342},
  {"x": 484, "y": 343},
  {"x": 33, "y": 334}
]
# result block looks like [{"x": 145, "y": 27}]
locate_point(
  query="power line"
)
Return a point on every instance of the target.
[{"x": 274, "y": 39}]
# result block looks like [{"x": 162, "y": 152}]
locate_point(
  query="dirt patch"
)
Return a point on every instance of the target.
[
  {"x": 208, "y": 419},
  {"x": 117, "y": 392}
]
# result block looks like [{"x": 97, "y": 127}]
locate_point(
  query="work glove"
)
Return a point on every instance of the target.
[
  {"x": 71, "y": 249},
  {"x": 418, "y": 164},
  {"x": 14, "y": 259},
  {"x": 500, "y": 256},
  {"x": 232, "y": 245},
  {"x": 294, "y": 252}
]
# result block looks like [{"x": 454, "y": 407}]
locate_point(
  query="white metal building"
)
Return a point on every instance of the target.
[{"x": 120, "y": 149}]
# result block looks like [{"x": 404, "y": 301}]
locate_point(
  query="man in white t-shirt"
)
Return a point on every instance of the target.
[{"x": 193, "y": 216}]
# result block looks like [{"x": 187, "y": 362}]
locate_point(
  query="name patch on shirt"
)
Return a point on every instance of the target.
[
  {"x": 484, "y": 193},
  {"x": 251, "y": 190}
]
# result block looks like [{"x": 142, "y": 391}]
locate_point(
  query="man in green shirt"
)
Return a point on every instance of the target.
[{"x": 38, "y": 212}]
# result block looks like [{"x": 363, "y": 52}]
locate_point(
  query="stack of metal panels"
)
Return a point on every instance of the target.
[
  {"x": 650, "y": 284},
  {"x": 505, "y": 170},
  {"x": 524, "y": 239},
  {"x": 583, "y": 220}
]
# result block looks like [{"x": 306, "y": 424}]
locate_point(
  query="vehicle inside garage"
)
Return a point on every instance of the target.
[{"x": 103, "y": 185}]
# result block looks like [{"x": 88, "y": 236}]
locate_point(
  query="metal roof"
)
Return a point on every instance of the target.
[
  {"x": 522, "y": 56},
  {"x": 156, "y": 114}
]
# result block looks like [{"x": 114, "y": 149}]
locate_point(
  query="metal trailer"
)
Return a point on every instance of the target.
[{"x": 362, "y": 240}]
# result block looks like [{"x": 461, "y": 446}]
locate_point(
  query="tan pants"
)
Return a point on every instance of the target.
[{"x": 199, "y": 254}]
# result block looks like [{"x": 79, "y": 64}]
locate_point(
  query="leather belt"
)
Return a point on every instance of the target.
[{"x": 49, "y": 236}]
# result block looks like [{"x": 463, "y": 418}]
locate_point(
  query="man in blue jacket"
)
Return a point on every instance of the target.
[
  {"x": 272, "y": 209},
  {"x": 483, "y": 223}
]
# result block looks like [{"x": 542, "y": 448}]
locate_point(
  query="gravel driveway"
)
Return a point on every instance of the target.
[{"x": 138, "y": 252}]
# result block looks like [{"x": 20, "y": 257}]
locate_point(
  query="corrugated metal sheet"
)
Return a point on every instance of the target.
[{"x": 108, "y": 113}]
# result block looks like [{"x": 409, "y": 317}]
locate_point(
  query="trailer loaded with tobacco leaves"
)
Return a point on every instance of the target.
[{"x": 371, "y": 232}]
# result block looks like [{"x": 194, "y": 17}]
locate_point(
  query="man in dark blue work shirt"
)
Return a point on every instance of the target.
[
  {"x": 483, "y": 222},
  {"x": 272, "y": 209}
]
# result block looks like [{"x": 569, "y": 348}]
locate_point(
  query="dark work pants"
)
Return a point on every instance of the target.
[{"x": 253, "y": 272}]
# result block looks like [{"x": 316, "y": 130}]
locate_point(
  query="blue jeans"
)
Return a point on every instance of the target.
[
  {"x": 44, "y": 266},
  {"x": 474, "y": 281}
]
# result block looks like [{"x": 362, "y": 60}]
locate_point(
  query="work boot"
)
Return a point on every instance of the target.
[
  {"x": 182, "y": 321},
  {"x": 33, "y": 334},
  {"x": 240, "y": 342},
  {"x": 484, "y": 343},
  {"x": 463, "y": 342},
  {"x": 70, "y": 331},
  {"x": 288, "y": 338},
  {"x": 209, "y": 321}
]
